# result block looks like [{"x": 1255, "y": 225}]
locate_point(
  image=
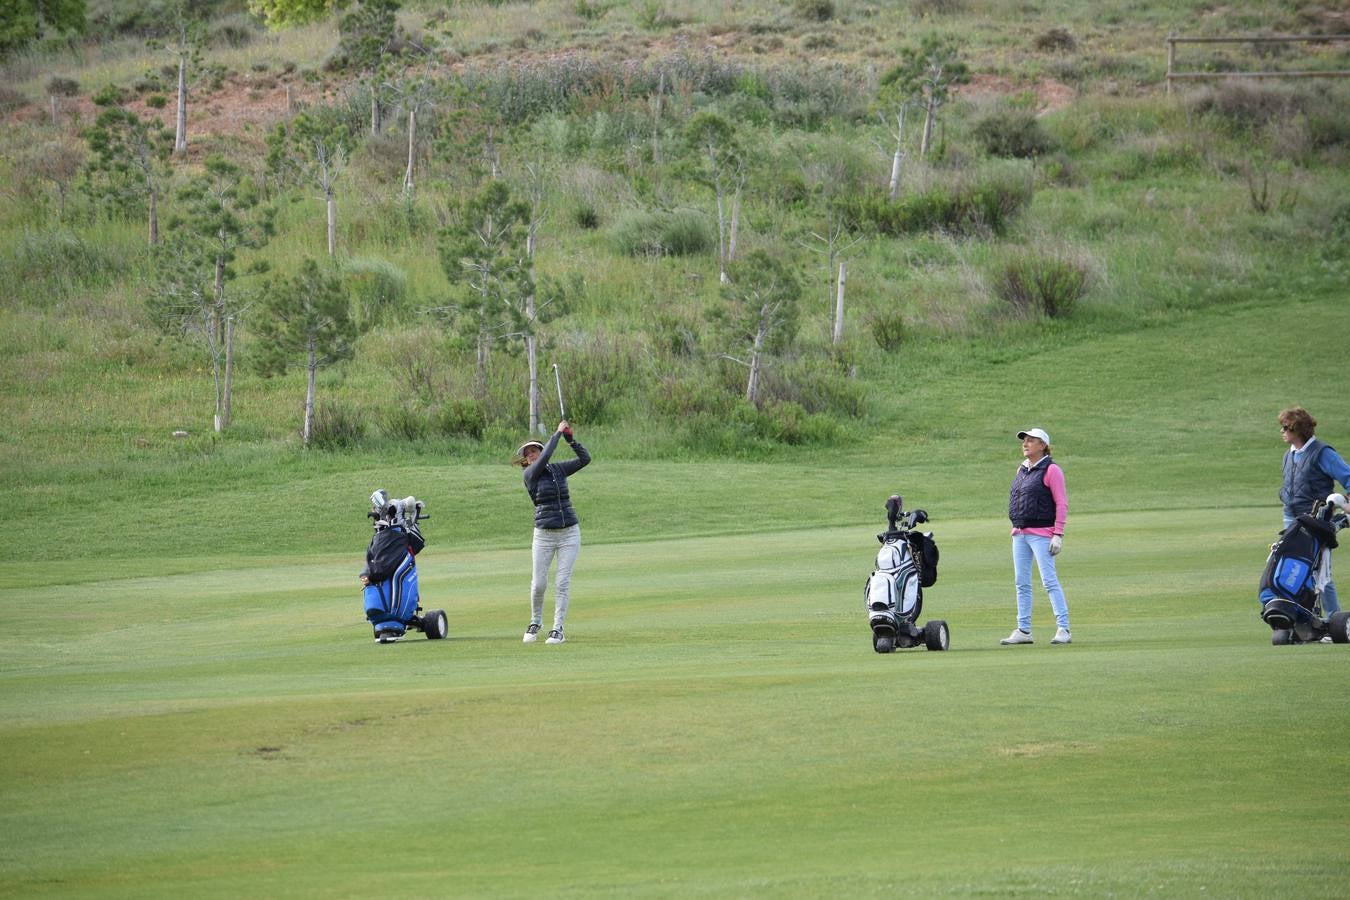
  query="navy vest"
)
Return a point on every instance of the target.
[
  {"x": 1304, "y": 482},
  {"x": 1030, "y": 503}
]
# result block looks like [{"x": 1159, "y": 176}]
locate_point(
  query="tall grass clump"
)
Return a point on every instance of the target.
[
  {"x": 337, "y": 426},
  {"x": 1036, "y": 283},
  {"x": 48, "y": 265},
  {"x": 379, "y": 290},
  {"x": 650, "y": 233},
  {"x": 966, "y": 205}
]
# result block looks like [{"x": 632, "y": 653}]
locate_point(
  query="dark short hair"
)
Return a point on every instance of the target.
[{"x": 1299, "y": 421}]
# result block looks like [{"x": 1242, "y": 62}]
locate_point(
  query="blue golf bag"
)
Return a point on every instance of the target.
[
  {"x": 390, "y": 596},
  {"x": 1296, "y": 573}
]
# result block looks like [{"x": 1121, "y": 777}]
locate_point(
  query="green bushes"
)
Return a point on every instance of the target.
[
  {"x": 1013, "y": 133},
  {"x": 1034, "y": 283},
  {"x": 888, "y": 329},
  {"x": 379, "y": 290},
  {"x": 662, "y": 233},
  {"x": 337, "y": 426},
  {"x": 966, "y": 206}
]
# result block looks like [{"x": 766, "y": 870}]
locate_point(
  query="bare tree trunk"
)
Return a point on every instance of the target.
[
  {"x": 290, "y": 101},
  {"x": 154, "y": 217},
  {"x": 180, "y": 132},
  {"x": 481, "y": 373},
  {"x": 376, "y": 119},
  {"x": 53, "y": 99},
  {"x": 735, "y": 224},
  {"x": 721, "y": 233},
  {"x": 309, "y": 395},
  {"x": 412, "y": 144},
  {"x": 229, "y": 372},
  {"x": 839, "y": 307},
  {"x": 929, "y": 112},
  {"x": 752, "y": 383},
  {"x": 218, "y": 420},
  {"x": 332, "y": 223},
  {"x": 895, "y": 173}
]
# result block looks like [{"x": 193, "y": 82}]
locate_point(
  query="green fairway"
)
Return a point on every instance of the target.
[{"x": 717, "y": 724}]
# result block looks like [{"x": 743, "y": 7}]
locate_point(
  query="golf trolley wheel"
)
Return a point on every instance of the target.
[
  {"x": 1339, "y": 627},
  {"x": 1281, "y": 636},
  {"x": 883, "y": 643},
  {"x": 434, "y": 625},
  {"x": 936, "y": 635}
]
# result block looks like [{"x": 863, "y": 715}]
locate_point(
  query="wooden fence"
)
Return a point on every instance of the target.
[{"x": 1174, "y": 75}]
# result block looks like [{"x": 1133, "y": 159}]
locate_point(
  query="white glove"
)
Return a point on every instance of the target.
[{"x": 1056, "y": 544}]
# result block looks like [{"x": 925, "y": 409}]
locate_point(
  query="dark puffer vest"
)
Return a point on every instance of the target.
[
  {"x": 547, "y": 484},
  {"x": 1030, "y": 503},
  {"x": 1304, "y": 482}
]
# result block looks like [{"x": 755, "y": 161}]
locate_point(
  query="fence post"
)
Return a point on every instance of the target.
[{"x": 1171, "y": 55}]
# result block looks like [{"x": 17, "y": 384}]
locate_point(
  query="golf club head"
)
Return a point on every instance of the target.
[{"x": 379, "y": 500}]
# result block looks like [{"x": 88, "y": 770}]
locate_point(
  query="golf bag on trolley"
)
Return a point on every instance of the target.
[
  {"x": 893, "y": 594},
  {"x": 1296, "y": 574},
  {"x": 391, "y": 597}
]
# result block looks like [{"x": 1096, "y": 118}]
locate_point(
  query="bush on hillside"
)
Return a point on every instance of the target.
[
  {"x": 1013, "y": 133},
  {"x": 1034, "y": 283},
  {"x": 814, "y": 10},
  {"x": 888, "y": 329},
  {"x": 1056, "y": 40},
  {"x": 45, "y": 264},
  {"x": 336, "y": 426},
  {"x": 11, "y": 100},
  {"x": 965, "y": 206}
]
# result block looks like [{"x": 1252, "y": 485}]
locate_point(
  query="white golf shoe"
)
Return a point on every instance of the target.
[
  {"x": 555, "y": 637},
  {"x": 1018, "y": 637},
  {"x": 531, "y": 634},
  {"x": 1062, "y": 636}
]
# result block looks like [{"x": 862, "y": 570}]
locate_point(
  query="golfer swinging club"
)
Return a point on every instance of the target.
[{"x": 556, "y": 529}]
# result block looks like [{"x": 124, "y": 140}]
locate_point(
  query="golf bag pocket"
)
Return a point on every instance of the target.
[
  {"x": 394, "y": 599},
  {"x": 1291, "y": 569},
  {"x": 386, "y": 553},
  {"x": 925, "y": 552},
  {"x": 896, "y": 593},
  {"x": 893, "y": 556}
]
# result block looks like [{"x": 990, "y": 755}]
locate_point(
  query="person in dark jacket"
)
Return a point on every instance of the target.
[
  {"x": 1311, "y": 470},
  {"x": 1038, "y": 506},
  {"x": 557, "y": 531}
]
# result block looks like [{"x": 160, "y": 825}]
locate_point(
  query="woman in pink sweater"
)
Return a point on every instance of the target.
[{"x": 1038, "y": 506}]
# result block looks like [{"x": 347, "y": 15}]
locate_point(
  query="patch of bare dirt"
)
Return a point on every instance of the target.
[{"x": 1050, "y": 94}]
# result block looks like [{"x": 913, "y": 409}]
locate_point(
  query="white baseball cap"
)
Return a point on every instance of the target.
[{"x": 1038, "y": 433}]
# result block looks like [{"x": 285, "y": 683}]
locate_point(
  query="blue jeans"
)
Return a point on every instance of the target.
[
  {"x": 1025, "y": 547},
  {"x": 1331, "y": 604}
]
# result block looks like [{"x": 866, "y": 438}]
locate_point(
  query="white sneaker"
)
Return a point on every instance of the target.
[
  {"x": 531, "y": 634},
  {"x": 555, "y": 637},
  {"x": 1018, "y": 637},
  {"x": 1062, "y": 636}
]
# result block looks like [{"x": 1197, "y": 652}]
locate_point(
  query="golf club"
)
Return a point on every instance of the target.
[{"x": 557, "y": 379}]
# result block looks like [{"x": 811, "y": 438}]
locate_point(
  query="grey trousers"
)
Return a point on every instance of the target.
[{"x": 564, "y": 543}]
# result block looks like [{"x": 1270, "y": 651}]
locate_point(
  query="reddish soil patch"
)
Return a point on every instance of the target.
[{"x": 1050, "y": 94}]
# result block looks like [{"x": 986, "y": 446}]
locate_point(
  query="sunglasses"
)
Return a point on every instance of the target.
[{"x": 1285, "y": 428}]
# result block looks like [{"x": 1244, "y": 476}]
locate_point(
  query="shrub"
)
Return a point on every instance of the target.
[
  {"x": 647, "y": 233},
  {"x": 463, "y": 417},
  {"x": 404, "y": 423},
  {"x": 586, "y": 216},
  {"x": 819, "y": 41},
  {"x": 1013, "y": 133},
  {"x": 963, "y": 207},
  {"x": 1034, "y": 283},
  {"x": 10, "y": 100},
  {"x": 814, "y": 10},
  {"x": 589, "y": 12},
  {"x": 924, "y": 8},
  {"x": 888, "y": 329},
  {"x": 1056, "y": 40},
  {"x": 157, "y": 101},
  {"x": 336, "y": 426},
  {"x": 1243, "y": 105},
  {"x": 62, "y": 87}
]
